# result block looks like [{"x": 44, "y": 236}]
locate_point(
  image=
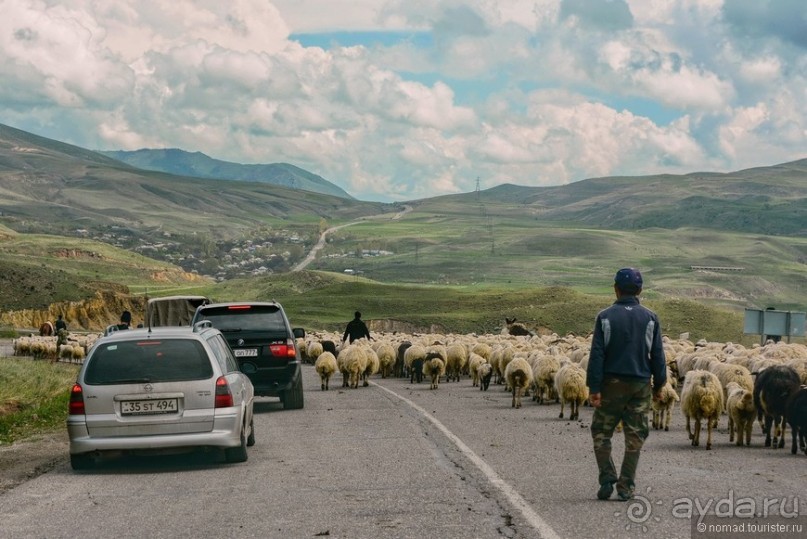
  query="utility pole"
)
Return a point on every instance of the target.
[{"x": 477, "y": 189}]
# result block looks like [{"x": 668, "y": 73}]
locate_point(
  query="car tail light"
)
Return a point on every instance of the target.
[
  {"x": 286, "y": 349},
  {"x": 224, "y": 397},
  {"x": 76, "y": 406}
]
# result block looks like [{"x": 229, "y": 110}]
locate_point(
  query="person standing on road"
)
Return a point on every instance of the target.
[
  {"x": 60, "y": 324},
  {"x": 356, "y": 329},
  {"x": 626, "y": 351}
]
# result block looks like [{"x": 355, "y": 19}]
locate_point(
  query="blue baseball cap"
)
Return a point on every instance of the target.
[{"x": 628, "y": 279}]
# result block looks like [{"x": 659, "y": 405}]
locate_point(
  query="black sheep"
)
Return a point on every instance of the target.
[
  {"x": 772, "y": 389},
  {"x": 797, "y": 417},
  {"x": 329, "y": 346},
  {"x": 398, "y": 368},
  {"x": 416, "y": 371}
]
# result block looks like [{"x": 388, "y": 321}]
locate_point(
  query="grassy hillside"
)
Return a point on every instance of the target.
[
  {"x": 55, "y": 188},
  {"x": 456, "y": 242}
]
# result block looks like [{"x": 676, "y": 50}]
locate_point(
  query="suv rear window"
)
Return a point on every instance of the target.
[
  {"x": 144, "y": 361},
  {"x": 244, "y": 318}
]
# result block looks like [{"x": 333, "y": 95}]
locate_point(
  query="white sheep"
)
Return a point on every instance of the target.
[
  {"x": 456, "y": 358},
  {"x": 373, "y": 364},
  {"x": 570, "y": 386},
  {"x": 728, "y": 373},
  {"x": 326, "y": 366},
  {"x": 313, "y": 349},
  {"x": 474, "y": 362},
  {"x": 662, "y": 406},
  {"x": 518, "y": 375},
  {"x": 544, "y": 369},
  {"x": 386, "y": 357},
  {"x": 701, "y": 399},
  {"x": 741, "y": 412},
  {"x": 352, "y": 363}
]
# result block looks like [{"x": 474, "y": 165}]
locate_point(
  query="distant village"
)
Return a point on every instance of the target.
[{"x": 278, "y": 251}]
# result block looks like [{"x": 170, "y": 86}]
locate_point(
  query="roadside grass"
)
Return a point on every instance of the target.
[{"x": 33, "y": 397}]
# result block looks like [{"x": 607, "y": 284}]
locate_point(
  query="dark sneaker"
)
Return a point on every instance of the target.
[
  {"x": 606, "y": 489},
  {"x": 624, "y": 496}
]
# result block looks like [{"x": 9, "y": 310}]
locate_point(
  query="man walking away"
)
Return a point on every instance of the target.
[
  {"x": 626, "y": 350},
  {"x": 356, "y": 329}
]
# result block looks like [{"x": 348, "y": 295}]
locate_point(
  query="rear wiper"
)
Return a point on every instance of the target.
[
  {"x": 230, "y": 330},
  {"x": 143, "y": 380}
]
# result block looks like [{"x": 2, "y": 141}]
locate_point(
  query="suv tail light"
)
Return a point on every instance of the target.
[
  {"x": 224, "y": 397},
  {"x": 76, "y": 406},
  {"x": 286, "y": 349}
]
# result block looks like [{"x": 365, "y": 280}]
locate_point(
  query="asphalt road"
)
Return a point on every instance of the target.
[{"x": 396, "y": 460}]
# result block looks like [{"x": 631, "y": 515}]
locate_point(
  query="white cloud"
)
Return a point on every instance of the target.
[{"x": 533, "y": 92}]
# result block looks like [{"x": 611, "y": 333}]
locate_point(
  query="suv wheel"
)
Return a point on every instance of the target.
[
  {"x": 237, "y": 454},
  {"x": 293, "y": 397}
]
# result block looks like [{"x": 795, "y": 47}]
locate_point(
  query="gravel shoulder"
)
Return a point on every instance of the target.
[{"x": 27, "y": 459}]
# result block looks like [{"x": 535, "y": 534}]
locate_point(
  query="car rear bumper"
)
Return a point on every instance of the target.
[
  {"x": 226, "y": 432},
  {"x": 280, "y": 381}
]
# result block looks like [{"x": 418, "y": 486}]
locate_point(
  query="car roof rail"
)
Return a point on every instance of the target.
[{"x": 202, "y": 324}]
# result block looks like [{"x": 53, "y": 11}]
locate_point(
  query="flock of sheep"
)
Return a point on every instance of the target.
[
  {"x": 73, "y": 350},
  {"x": 764, "y": 383},
  {"x": 767, "y": 383}
]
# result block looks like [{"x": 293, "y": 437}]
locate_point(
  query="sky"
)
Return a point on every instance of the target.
[{"x": 396, "y": 100}]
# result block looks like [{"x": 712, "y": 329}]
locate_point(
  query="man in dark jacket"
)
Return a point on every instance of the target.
[
  {"x": 60, "y": 324},
  {"x": 626, "y": 351},
  {"x": 356, "y": 329}
]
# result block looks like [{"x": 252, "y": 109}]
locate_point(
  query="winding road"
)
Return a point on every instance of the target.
[{"x": 312, "y": 254}]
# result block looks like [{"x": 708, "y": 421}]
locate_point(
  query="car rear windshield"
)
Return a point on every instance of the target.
[
  {"x": 145, "y": 361},
  {"x": 244, "y": 318}
]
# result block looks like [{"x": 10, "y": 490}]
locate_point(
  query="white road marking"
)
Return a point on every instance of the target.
[{"x": 533, "y": 518}]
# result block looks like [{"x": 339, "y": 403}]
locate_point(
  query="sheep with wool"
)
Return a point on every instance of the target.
[
  {"x": 414, "y": 357},
  {"x": 662, "y": 405},
  {"x": 485, "y": 372},
  {"x": 741, "y": 411},
  {"x": 701, "y": 399},
  {"x": 352, "y": 361},
  {"x": 434, "y": 366},
  {"x": 772, "y": 389},
  {"x": 456, "y": 358},
  {"x": 474, "y": 362},
  {"x": 313, "y": 349},
  {"x": 373, "y": 364},
  {"x": 326, "y": 366},
  {"x": 728, "y": 373},
  {"x": 386, "y": 357},
  {"x": 399, "y": 369},
  {"x": 544, "y": 369},
  {"x": 570, "y": 386},
  {"x": 518, "y": 375}
]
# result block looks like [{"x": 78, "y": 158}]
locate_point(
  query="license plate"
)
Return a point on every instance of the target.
[
  {"x": 154, "y": 406},
  {"x": 246, "y": 352}
]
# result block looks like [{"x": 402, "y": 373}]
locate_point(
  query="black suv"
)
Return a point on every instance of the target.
[{"x": 264, "y": 344}]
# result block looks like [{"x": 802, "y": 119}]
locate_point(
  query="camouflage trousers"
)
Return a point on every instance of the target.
[{"x": 627, "y": 401}]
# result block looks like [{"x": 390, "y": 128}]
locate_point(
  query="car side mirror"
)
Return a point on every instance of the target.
[{"x": 299, "y": 333}]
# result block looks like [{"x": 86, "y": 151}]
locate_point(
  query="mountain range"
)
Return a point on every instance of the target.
[
  {"x": 49, "y": 186},
  {"x": 199, "y": 165}
]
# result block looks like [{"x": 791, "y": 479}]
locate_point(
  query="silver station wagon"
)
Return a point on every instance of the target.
[{"x": 160, "y": 390}]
